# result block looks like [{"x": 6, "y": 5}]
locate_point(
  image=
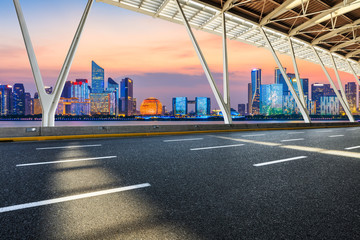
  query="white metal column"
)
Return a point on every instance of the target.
[
  {"x": 49, "y": 102},
  {"x": 225, "y": 65},
  {"x": 303, "y": 111},
  {"x": 339, "y": 80},
  {"x": 218, "y": 97},
  {"x": 353, "y": 71},
  {"x": 346, "y": 109},
  {"x": 298, "y": 80}
]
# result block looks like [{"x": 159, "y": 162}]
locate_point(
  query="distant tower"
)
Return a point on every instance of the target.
[
  {"x": 114, "y": 87},
  {"x": 18, "y": 99},
  {"x": 5, "y": 100},
  {"x": 255, "y": 91},
  {"x": 127, "y": 96},
  {"x": 97, "y": 78},
  {"x": 29, "y": 104},
  {"x": 350, "y": 92}
]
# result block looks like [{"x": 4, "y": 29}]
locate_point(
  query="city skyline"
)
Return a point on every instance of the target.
[{"x": 155, "y": 62}]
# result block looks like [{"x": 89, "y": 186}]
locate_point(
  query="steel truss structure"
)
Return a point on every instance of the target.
[{"x": 321, "y": 31}]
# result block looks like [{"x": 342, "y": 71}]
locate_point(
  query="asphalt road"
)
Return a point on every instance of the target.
[{"x": 300, "y": 184}]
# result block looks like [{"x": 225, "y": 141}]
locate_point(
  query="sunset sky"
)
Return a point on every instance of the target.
[{"x": 156, "y": 54}]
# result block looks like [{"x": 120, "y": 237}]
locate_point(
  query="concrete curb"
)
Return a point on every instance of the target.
[{"x": 61, "y": 133}]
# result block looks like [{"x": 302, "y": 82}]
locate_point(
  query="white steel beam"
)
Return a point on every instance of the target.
[
  {"x": 313, "y": 21},
  {"x": 218, "y": 97},
  {"x": 298, "y": 80},
  {"x": 49, "y": 102},
  {"x": 352, "y": 54},
  {"x": 304, "y": 113},
  {"x": 340, "y": 30},
  {"x": 346, "y": 109},
  {"x": 345, "y": 44},
  {"x": 276, "y": 12},
  {"x": 225, "y": 64},
  {"x": 353, "y": 72},
  {"x": 339, "y": 80}
]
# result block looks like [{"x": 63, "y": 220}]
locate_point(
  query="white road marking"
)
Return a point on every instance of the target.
[
  {"x": 180, "y": 140},
  {"x": 67, "y": 147},
  {"x": 71, "y": 198},
  {"x": 295, "y": 132},
  {"x": 65, "y": 161},
  {"x": 279, "y": 161},
  {"x": 350, "y": 148},
  {"x": 332, "y": 136},
  {"x": 291, "y": 140},
  {"x": 225, "y": 146},
  {"x": 324, "y": 131},
  {"x": 253, "y": 135}
]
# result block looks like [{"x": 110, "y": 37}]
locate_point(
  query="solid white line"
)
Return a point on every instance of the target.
[
  {"x": 324, "y": 131},
  {"x": 205, "y": 148},
  {"x": 278, "y": 161},
  {"x": 332, "y": 136},
  {"x": 254, "y": 135},
  {"x": 65, "y": 161},
  {"x": 350, "y": 148},
  {"x": 290, "y": 140},
  {"x": 78, "y": 146},
  {"x": 179, "y": 140},
  {"x": 71, "y": 198},
  {"x": 295, "y": 132}
]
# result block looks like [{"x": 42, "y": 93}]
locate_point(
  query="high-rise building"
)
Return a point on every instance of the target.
[
  {"x": 241, "y": 109},
  {"x": 18, "y": 99},
  {"x": 202, "y": 106},
  {"x": 29, "y": 104},
  {"x": 279, "y": 79},
  {"x": 319, "y": 90},
  {"x": 75, "y": 98},
  {"x": 180, "y": 106},
  {"x": 37, "y": 104},
  {"x": 102, "y": 103},
  {"x": 350, "y": 92},
  {"x": 5, "y": 100},
  {"x": 97, "y": 78},
  {"x": 114, "y": 87},
  {"x": 255, "y": 90},
  {"x": 271, "y": 99},
  {"x": 329, "y": 105},
  {"x": 249, "y": 110},
  {"x": 305, "y": 86},
  {"x": 126, "y": 96}
]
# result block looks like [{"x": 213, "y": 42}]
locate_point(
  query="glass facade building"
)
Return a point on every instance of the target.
[
  {"x": 255, "y": 90},
  {"x": 5, "y": 100},
  {"x": 329, "y": 105},
  {"x": 350, "y": 92},
  {"x": 18, "y": 99},
  {"x": 126, "y": 96},
  {"x": 271, "y": 99},
  {"x": 180, "y": 106},
  {"x": 202, "y": 106},
  {"x": 114, "y": 87},
  {"x": 97, "y": 78}
]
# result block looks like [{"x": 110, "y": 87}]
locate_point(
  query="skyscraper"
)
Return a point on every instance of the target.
[
  {"x": 126, "y": 96},
  {"x": 249, "y": 110},
  {"x": 29, "y": 104},
  {"x": 271, "y": 99},
  {"x": 202, "y": 106},
  {"x": 350, "y": 92},
  {"x": 319, "y": 90},
  {"x": 5, "y": 100},
  {"x": 114, "y": 87},
  {"x": 279, "y": 79},
  {"x": 305, "y": 86},
  {"x": 255, "y": 90},
  {"x": 18, "y": 99},
  {"x": 180, "y": 106},
  {"x": 97, "y": 78}
]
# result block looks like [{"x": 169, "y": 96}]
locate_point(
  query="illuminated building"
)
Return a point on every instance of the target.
[
  {"x": 271, "y": 99},
  {"x": 126, "y": 96},
  {"x": 97, "y": 78},
  {"x": 114, "y": 87},
  {"x": 5, "y": 100},
  {"x": 18, "y": 99},
  {"x": 202, "y": 106},
  {"x": 180, "y": 106},
  {"x": 29, "y": 104},
  {"x": 329, "y": 105},
  {"x": 75, "y": 99},
  {"x": 37, "y": 104},
  {"x": 255, "y": 90},
  {"x": 151, "y": 106},
  {"x": 279, "y": 79},
  {"x": 319, "y": 90},
  {"x": 350, "y": 92},
  {"x": 101, "y": 103},
  {"x": 249, "y": 110}
]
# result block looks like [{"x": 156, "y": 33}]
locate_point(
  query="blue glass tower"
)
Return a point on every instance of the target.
[
  {"x": 255, "y": 90},
  {"x": 202, "y": 106},
  {"x": 114, "y": 87},
  {"x": 18, "y": 99},
  {"x": 180, "y": 106},
  {"x": 126, "y": 97},
  {"x": 97, "y": 78},
  {"x": 271, "y": 99},
  {"x": 5, "y": 100}
]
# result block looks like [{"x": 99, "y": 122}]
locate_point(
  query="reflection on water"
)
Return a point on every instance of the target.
[{"x": 135, "y": 123}]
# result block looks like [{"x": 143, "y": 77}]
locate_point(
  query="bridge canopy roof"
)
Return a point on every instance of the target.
[{"x": 332, "y": 26}]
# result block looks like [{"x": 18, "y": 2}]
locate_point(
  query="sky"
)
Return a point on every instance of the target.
[{"x": 156, "y": 54}]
